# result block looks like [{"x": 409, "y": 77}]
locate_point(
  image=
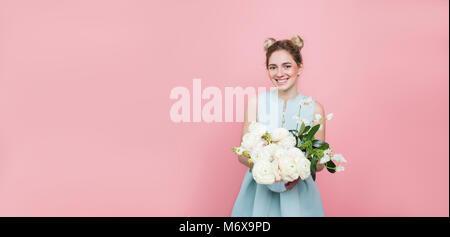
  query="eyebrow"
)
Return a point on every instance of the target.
[{"x": 281, "y": 64}]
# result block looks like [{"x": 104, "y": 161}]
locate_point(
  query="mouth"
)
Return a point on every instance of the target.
[{"x": 281, "y": 81}]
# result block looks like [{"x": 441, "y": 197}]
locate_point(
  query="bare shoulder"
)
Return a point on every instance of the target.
[{"x": 318, "y": 108}]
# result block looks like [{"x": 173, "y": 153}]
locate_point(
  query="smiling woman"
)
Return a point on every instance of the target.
[{"x": 299, "y": 197}]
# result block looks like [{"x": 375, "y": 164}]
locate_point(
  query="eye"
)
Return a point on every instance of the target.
[
  {"x": 272, "y": 68},
  {"x": 288, "y": 66}
]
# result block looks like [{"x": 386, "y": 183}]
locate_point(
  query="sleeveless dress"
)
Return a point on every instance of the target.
[{"x": 261, "y": 200}]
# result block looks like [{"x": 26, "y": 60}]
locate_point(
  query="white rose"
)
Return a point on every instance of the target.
[
  {"x": 263, "y": 172},
  {"x": 287, "y": 142},
  {"x": 276, "y": 170},
  {"x": 280, "y": 153},
  {"x": 304, "y": 168},
  {"x": 257, "y": 128},
  {"x": 271, "y": 148},
  {"x": 260, "y": 154},
  {"x": 288, "y": 169},
  {"x": 250, "y": 141},
  {"x": 294, "y": 153},
  {"x": 279, "y": 134}
]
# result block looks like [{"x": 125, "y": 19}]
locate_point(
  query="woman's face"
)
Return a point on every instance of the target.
[{"x": 283, "y": 70}]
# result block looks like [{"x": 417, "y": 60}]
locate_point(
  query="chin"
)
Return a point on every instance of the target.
[{"x": 284, "y": 87}]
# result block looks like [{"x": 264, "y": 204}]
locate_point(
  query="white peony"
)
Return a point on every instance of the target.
[
  {"x": 280, "y": 153},
  {"x": 294, "y": 153},
  {"x": 279, "y": 134},
  {"x": 288, "y": 169},
  {"x": 276, "y": 170},
  {"x": 271, "y": 148},
  {"x": 250, "y": 141},
  {"x": 260, "y": 154},
  {"x": 263, "y": 172},
  {"x": 304, "y": 168},
  {"x": 258, "y": 129},
  {"x": 287, "y": 142}
]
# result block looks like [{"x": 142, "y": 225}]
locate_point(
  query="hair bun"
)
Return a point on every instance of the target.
[
  {"x": 297, "y": 41},
  {"x": 269, "y": 42}
]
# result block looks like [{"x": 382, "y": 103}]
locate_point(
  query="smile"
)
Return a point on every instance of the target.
[{"x": 282, "y": 81}]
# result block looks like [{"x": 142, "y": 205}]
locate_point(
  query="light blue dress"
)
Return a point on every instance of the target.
[{"x": 274, "y": 200}]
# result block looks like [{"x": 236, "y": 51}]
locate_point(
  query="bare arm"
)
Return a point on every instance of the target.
[
  {"x": 320, "y": 134},
  {"x": 249, "y": 116}
]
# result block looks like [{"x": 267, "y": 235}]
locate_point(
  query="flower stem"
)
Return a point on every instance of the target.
[{"x": 298, "y": 116}]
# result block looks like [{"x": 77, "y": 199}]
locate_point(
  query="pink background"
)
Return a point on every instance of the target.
[{"x": 84, "y": 103}]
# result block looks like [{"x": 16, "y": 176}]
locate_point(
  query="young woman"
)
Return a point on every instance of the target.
[{"x": 301, "y": 197}]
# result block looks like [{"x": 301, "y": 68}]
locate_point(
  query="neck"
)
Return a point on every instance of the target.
[{"x": 289, "y": 94}]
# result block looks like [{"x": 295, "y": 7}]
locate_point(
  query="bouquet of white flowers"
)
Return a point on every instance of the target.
[{"x": 287, "y": 155}]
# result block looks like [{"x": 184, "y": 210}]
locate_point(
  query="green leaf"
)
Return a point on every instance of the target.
[
  {"x": 318, "y": 153},
  {"x": 312, "y": 132},
  {"x": 317, "y": 143},
  {"x": 324, "y": 146},
  {"x": 302, "y": 129},
  {"x": 330, "y": 164},
  {"x": 306, "y": 129},
  {"x": 320, "y": 144},
  {"x": 306, "y": 146},
  {"x": 313, "y": 167}
]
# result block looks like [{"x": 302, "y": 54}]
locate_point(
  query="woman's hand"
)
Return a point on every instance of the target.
[
  {"x": 245, "y": 161},
  {"x": 291, "y": 185}
]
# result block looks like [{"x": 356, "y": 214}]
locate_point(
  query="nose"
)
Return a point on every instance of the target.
[{"x": 279, "y": 72}]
